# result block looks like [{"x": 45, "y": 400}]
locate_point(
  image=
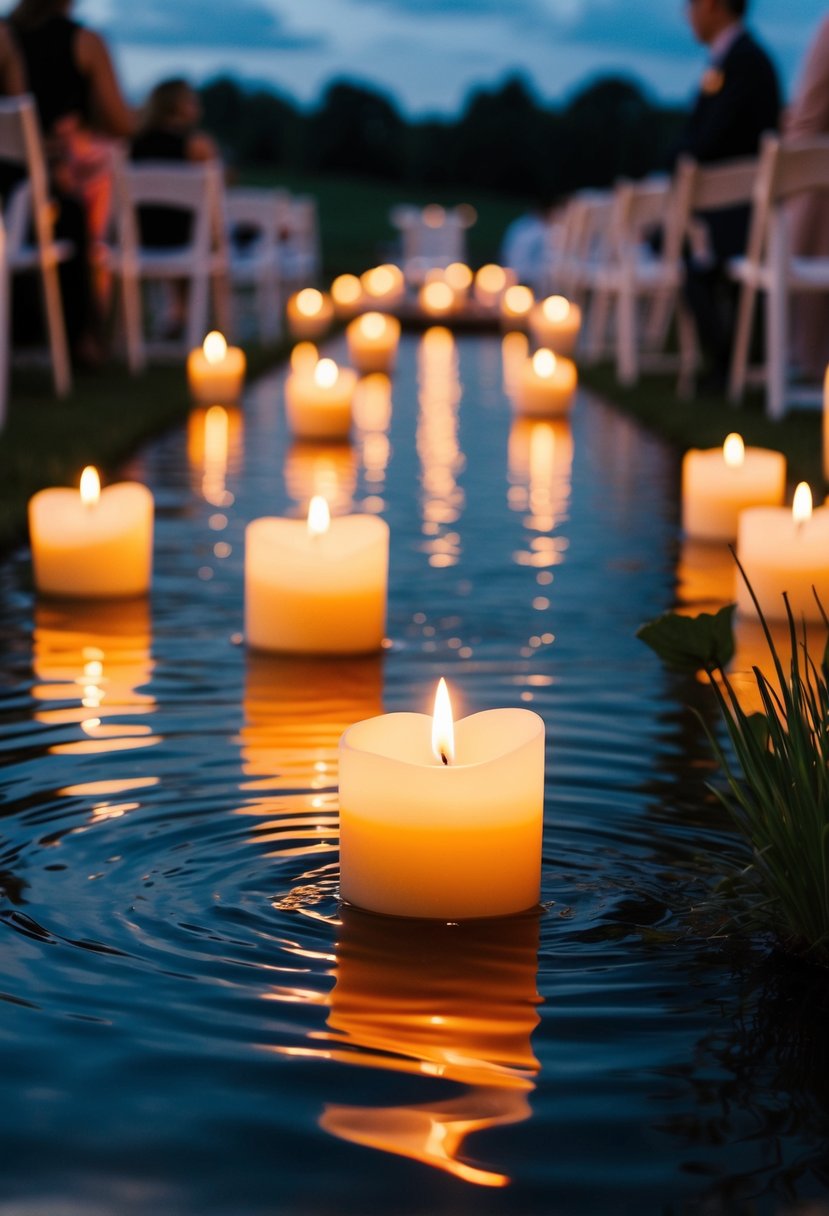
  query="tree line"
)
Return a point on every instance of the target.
[{"x": 503, "y": 139}]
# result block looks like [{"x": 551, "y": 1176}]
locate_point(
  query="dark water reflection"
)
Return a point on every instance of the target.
[{"x": 189, "y": 1022}]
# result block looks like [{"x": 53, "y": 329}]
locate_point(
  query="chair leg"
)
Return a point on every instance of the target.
[
  {"x": 742, "y": 339},
  {"x": 627, "y": 369},
  {"x": 688, "y": 350},
  {"x": 133, "y": 332},
  {"x": 221, "y": 302},
  {"x": 598, "y": 319},
  {"x": 776, "y": 350},
  {"x": 197, "y": 310},
  {"x": 56, "y": 326}
]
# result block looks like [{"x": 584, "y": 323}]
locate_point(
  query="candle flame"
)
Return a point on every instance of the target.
[
  {"x": 304, "y": 357},
  {"x": 443, "y": 727},
  {"x": 346, "y": 289},
  {"x": 734, "y": 451},
  {"x": 90, "y": 486},
  {"x": 458, "y": 276},
  {"x": 518, "y": 299},
  {"x": 544, "y": 363},
  {"x": 214, "y": 347},
  {"x": 379, "y": 281},
  {"x": 319, "y": 516},
  {"x": 802, "y": 504},
  {"x": 555, "y": 308},
  {"x": 438, "y": 296},
  {"x": 491, "y": 278},
  {"x": 309, "y": 302},
  {"x": 326, "y": 373},
  {"x": 373, "y": 324}
]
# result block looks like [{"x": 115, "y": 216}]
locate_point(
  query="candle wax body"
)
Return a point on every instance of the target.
[
  {"x": 319, "y": 412},
  {"x": 559, "y": 336},
  {"x": 369, "y": 354},
  {"x": 216, "y": 383},
  {"x": 316, "y": 594},
  {"x": 713, "y": 495},
  {"x": 546, "y": 396},
  {"x": 779, "y": 555},
  {"x": 90, "y": 551},
  {"x": 420, "y": 838}
]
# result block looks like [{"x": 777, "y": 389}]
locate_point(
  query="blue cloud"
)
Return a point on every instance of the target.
[{"x": 240, "y": 25}]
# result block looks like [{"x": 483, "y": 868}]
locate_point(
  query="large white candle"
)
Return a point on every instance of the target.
[
  {"x": 216, "y": 371},
  {"x": 783, "y": 550},
  {"x": 317, "y": 587},
  {"x": 441, "y": 824},
  {"x": 372, "y": 342},
  {"x": 318, "y": 404},
  {"x": 719, "y": 483},
  {"x": 93, "y": 543},
  {"x": 555, "y": 322},
  {"x": 547, "y": 385},
  {"x": 309, "y": 313}
]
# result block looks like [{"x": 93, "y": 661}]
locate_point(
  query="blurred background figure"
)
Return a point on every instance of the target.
[
  {"x": 808, "y": 116},
  {"x": 81, "y": 108},
  {"x": 526, "y": 247},
  {"x": 12, "y": 76},
  {"x": 738, "y": 100}
]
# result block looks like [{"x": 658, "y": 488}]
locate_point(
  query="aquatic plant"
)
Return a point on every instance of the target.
[{"x": 776, "y": 771}]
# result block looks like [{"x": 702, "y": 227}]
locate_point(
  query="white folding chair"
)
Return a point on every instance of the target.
[
  {"x": 254, "y": 219},
  {"x": 785, "y": 170},
  {"x": 202, "y": 262},
  {"x": 28, "y": 210},
  {"x": 300, "y": 247},
  {"x": 583, "y": 244}
]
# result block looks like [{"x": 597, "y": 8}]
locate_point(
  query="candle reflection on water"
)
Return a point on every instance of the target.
[
  {"x": 325, "y": 469},
  {"x": 215, "y": 442},
  {"x": 372, "y": 418},
  {"x": 455, "y": 1002},
  {"x": 90, "y": 662},
  {"x": 441, "y": 459},
  {"x": 540, "y": 457}
]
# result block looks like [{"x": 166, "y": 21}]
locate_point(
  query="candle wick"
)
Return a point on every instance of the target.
[{"x": 444, "y": 758}]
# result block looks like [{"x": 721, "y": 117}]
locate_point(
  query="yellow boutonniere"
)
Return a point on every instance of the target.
[{"x": 712, "y": 81}]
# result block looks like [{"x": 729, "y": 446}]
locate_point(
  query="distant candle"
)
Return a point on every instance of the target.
[
  {"x": 547, "y": 385},
  {"x": 346, "y": 294},
  {"x": 93, "y": 543},
  {"x": 436, "y": 298},
  {"x": 555, "y": 323},
  {"x": 372, "y": 342},
  {"x": 309, "y": 313},
  {"x": 316, "y": 587},
  {"x": 491, "y": 282},
  {"x": 318, "y": 404},
  {"x": 419, "y": 795},
  {"x": 516, "y": 305},
  {"x": 719, "y": 483},
  {"x": 785, "y": 550},
  {"x": 216, "y": 371}
]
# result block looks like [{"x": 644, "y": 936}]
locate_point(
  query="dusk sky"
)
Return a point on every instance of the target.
[{"x": 428, "y": 53}]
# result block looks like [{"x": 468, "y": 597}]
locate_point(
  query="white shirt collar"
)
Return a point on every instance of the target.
[{"x": 722, "y": 44}]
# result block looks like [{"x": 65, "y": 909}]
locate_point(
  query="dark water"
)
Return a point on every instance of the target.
[{"x": 191, "y": 1024}]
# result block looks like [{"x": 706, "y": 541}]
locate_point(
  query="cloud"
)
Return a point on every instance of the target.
[{"x": 240, "y": 25}]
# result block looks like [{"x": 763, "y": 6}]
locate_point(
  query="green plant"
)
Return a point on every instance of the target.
[{"x": 777, "y": 773}]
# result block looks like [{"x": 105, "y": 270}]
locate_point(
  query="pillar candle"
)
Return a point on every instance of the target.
[
  {"x": 372, "y": 342},
  {"x": 719, "y": 483},
  {"x": 785, "y": 550},
  {"x": 436, "y": 298},
  {"x": 555, "y": 323},
  {"x": 516, "y": 305},
  {"x": 96, "y": 543},
  {"x": 317, "y": 587},
  {"x": 491, "y": 282},
  {"x": 309, "y": 313},
  {"x": 442, "y": 823},
  {"x": 216, "y": 371},
  {"x": 547, "y": 385},
  {"x": 318, "y": 404},
  {"x": 346, "y": 295},
  {"x": 383, "y": 286}
]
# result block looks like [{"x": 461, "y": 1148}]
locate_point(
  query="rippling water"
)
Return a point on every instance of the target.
[{"x": 190, "y": 1023}]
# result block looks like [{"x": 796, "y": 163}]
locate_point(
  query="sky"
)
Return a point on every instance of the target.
[{"x": 428, "y": 54}]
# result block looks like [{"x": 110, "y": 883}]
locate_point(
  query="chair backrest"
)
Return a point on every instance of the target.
[
  {"x": 638, "y": 208},
  {"x": 704, "y": 188},
  {"x": 21, "y": 144},
  {"x": 197, "y": 188},
  {"x": 259, "y": 210}
]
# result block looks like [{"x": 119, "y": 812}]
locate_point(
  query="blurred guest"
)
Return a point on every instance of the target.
[
  {"x": 525, "y": 247},
  {"x": 738, "y": 100},
  {"x": 81, "y": 108},
  {"x": 12, "y": 76},
  {"x": 808, "y": 116}
]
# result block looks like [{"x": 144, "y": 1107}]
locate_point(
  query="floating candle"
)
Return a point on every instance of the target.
[
  {"x": 309, "y": 313},
  {"x": 719, "y": 483},
  {"x": 372, "y": 342},
  {"x": 547, "y": 385},
  {"x": 436, "y": 298},
  {"x": 346, "y": 295},
  {"x": 216, "y": 371},
  {"x": 784, "y": 550},
  {"x": 555, "y": 322},
  {"x": 94, "y": 543},
  {"x": 318, "y": 405},
  {"x": 317, "y": 587},
  {"x": 438, "y": 821},
  {"x": 516, "y": 306}
]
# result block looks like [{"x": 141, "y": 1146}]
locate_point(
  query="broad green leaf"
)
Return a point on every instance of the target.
[{"x": 691, "y": 643}]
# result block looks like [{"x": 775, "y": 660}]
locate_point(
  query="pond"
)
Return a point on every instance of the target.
[{"x": 191, "y": 1023}]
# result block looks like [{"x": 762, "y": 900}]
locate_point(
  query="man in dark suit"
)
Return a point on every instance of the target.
[{"x": 738, "y": 100}]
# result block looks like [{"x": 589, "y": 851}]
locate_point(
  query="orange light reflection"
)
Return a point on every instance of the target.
[
  {"x": 441, "y": 459},
  {"x": 215, "y": 443}
]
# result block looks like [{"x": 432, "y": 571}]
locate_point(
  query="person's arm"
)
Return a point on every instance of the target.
[
  {"x": 201, "y": 147},
  {"x": 12, "y": 72},
  {"x": 110, "y": 112}
]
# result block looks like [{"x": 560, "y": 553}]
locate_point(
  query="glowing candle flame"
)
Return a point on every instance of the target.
[
  {"x": 438, "y": 297},
  {"x": 346, "y": 289},
  {"x": 555, "y": 308},
  {"x": 379, "y": 281},
  {"x": 491, "y": 278},
  {"x": 319, "y": 516},
  {"x": 309, "y": 302},
  {"x": 734, "y": 451},
  {"x": 373, "y": 324},
  {"x": 90, "y": 486},
  {"x": 458, "y": 276},
  {"x": 443, "y": 727},
  {"x": 326, "y": 373},
  {"x": 518, "y": 300},
  {"x": 802, "y": 504},
  {"x": 544, "y": 363},
  {"x": 304, "y": 357},
  {"x": 214, "y": 347}
]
